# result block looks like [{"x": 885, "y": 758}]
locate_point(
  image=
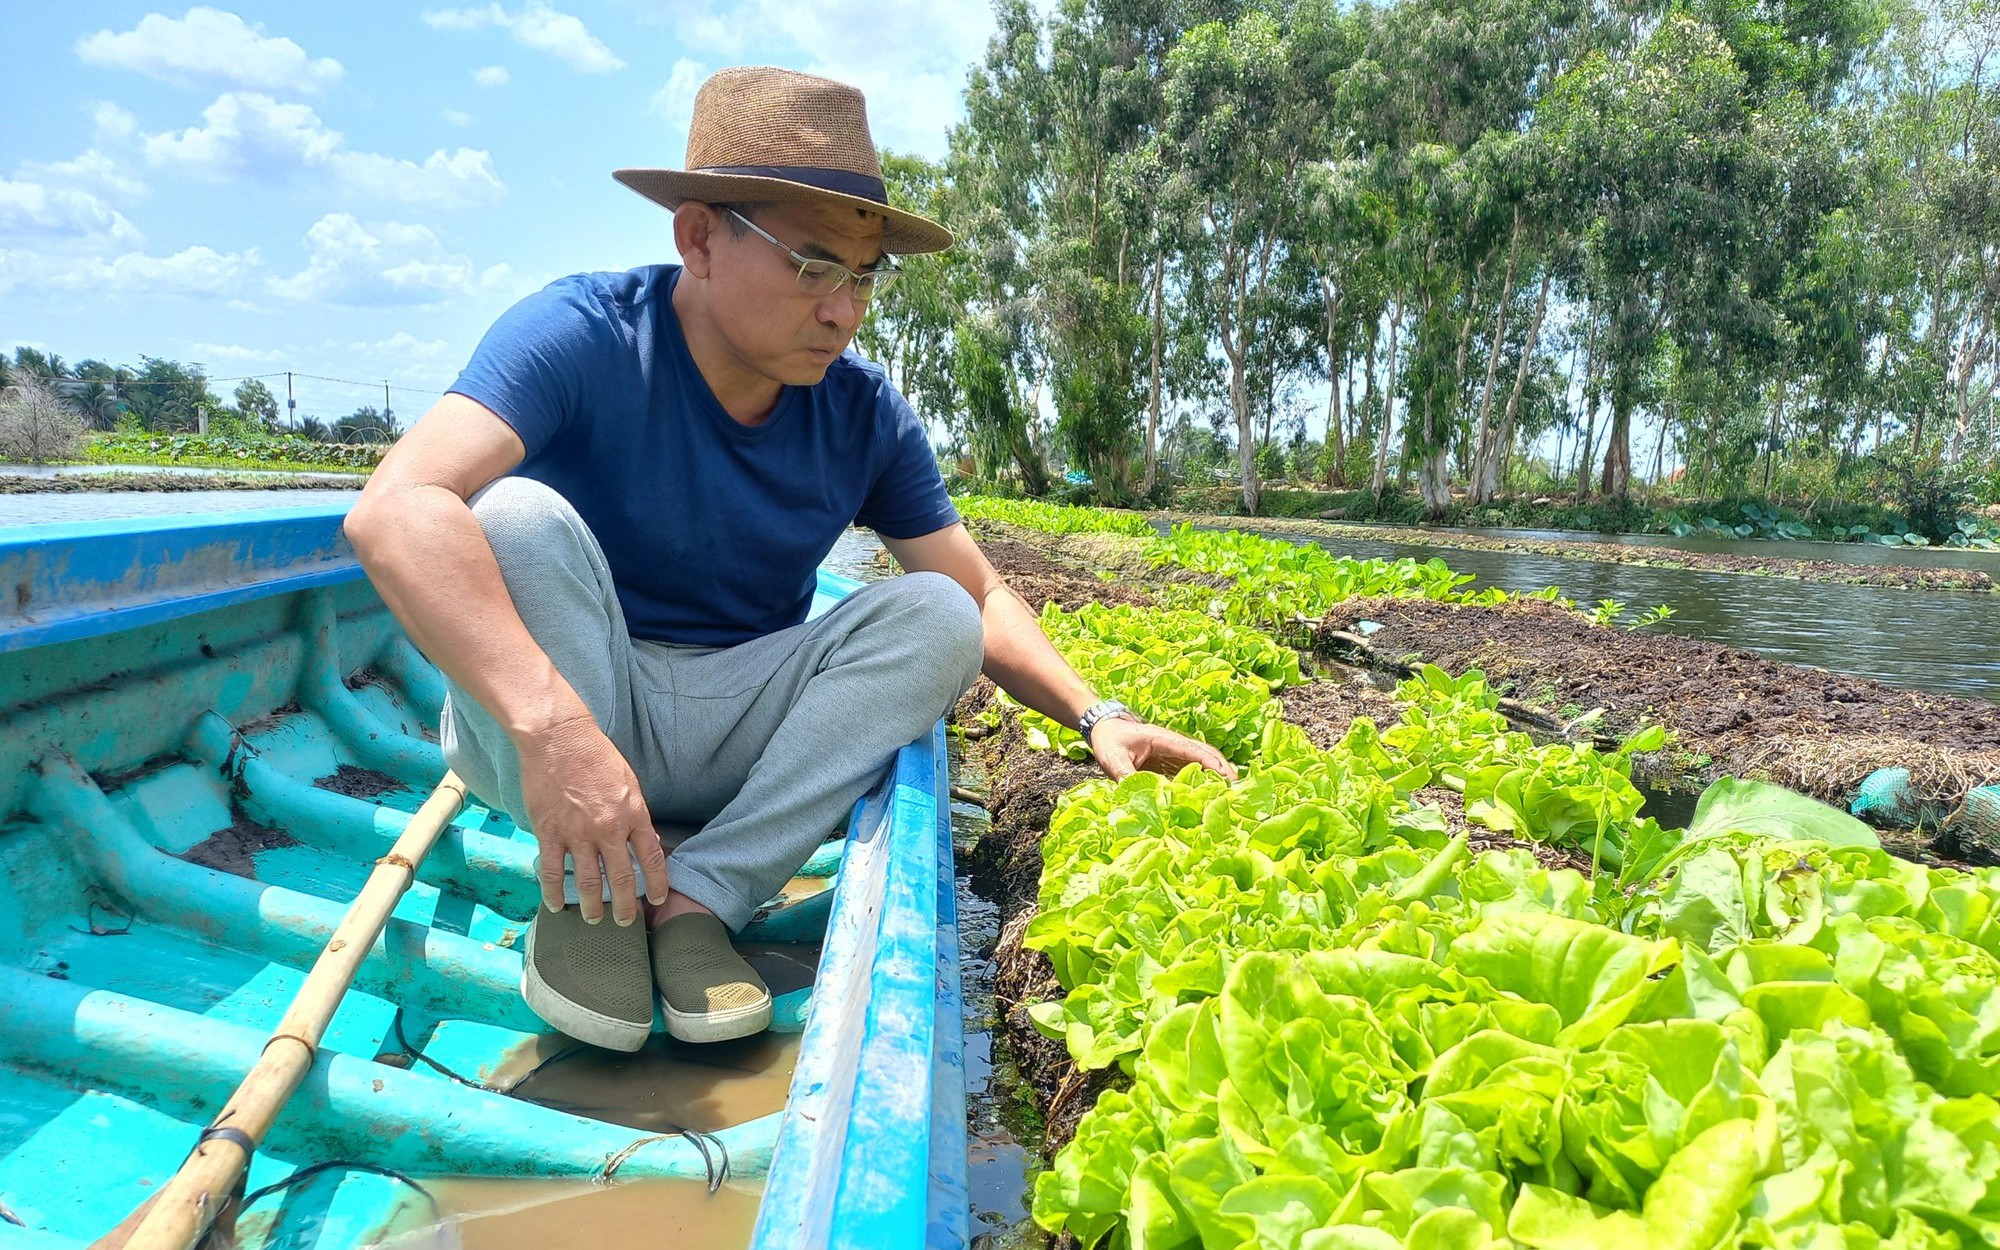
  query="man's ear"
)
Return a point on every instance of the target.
[{"x": 694, "y": 228}]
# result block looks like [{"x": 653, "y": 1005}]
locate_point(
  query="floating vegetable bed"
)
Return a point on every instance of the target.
[{"x": 1338, "y": 1023}]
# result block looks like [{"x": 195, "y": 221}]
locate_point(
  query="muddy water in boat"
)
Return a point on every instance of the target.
[{"x": 533, "y": 1215}]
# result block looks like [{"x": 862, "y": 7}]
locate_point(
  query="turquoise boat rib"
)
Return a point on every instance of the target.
[{"x": 212, "y": 730}]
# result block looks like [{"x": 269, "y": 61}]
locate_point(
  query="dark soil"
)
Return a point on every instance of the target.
[
  {"x": 1324, "y": 709},
  {"x": 1023, "y": 786},
  {"x": 235, "y": 848},
  {"x": 358, "y": 783},
  {"x": 73, "y": 483},
  {"x": 1902, "y": 577},
  {"x": 1733, "y": 712},
  {"x": 1041, "y": 581}
]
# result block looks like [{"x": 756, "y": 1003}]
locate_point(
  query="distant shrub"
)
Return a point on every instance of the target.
[{"x": 38, "y": 425}]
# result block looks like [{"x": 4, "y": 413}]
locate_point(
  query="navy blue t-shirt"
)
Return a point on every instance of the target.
[{"x": 713, "y": 529}]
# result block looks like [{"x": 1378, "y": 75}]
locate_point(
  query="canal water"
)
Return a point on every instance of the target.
[
  {"x": 1901, "y": 555},
  {"x": 1937, "y": 640},
  {"x": 119, "y": 505}
]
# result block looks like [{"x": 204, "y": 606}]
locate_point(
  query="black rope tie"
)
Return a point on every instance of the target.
[
  {"x": 225, "y": 1132},
  {"x": 716, "y": 1164},
  {"x": 306, "y": 1173}
]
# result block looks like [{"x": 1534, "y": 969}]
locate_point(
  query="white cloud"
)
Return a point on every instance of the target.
[
  {"x": 537, "y": 26},
  {"x": 914, "y": 96},
  {"x": 403, "y": 357},
  {"x": 192, "y": 271},
  {"x": 31, "y": 209},
  {"x": 456, "y": 179},
  {"x": 675, "y": 100},
  {"x": 246, "y": 134},
  {"x": 92, "y": 171},
  {"x": 456, "y": 118},
  {"x": 209, "y": 47},
  {"x": 491, "y": 76},
  {"x": 235, "y": 354},
  {"x": 112, "y": 123},
  {"x": 383, "y": 265}
]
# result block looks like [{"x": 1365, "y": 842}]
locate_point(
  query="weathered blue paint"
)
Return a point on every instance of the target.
[
  {"x": 160, "y": 680},
  {"x": 63, "y": 582},
  {"x": 862, "y": 1160}
]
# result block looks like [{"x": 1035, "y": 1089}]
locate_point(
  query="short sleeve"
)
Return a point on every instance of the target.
[
  {"x": 534, "y": 366},
  {"x": 908, "y": 499}
]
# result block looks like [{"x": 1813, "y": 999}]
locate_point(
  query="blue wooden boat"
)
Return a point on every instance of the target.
[{"x": 185, "y": 707}]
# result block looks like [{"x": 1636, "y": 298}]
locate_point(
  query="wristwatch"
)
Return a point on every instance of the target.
[{"x": 1103, "y": 709}]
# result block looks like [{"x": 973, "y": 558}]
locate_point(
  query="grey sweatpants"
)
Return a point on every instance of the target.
[{"x": 764, "y": 746}]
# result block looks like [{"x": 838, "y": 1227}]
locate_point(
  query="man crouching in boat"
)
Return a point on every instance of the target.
[{"x": 606, "y": 537}]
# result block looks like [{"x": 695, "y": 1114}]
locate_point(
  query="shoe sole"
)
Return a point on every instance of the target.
[
  {"x": 717, "y": 1026},
  {"x": 580, "y": 1022}
]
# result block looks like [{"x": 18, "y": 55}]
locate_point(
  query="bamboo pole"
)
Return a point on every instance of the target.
[{"x": 206, "y": 1182}]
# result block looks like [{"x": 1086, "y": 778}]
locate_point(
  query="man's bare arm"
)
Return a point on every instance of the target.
[
  {"x": 1021, "y": 660},
  {"x": 430, "y": 561}
]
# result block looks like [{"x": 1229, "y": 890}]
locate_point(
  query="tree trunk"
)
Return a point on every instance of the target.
[
  {"x": 1660, "y": 446},
  {"x": 1355, "y": 415},
  {"x": 1771, "y": 438},
  {"x": 1368, "y": 404},
  {"x": 1616, "y": 483},
  {"x": 1465, "y": 332},
  {"x": 1487, "y": 472},
  {"x": 1483, "y": 452},
  {"x": 1434, "y": 473},
  {"x": 1588, "y": 452},
  {"x": 1153, "y": 408},
  {"x": 1246, "y": 448},
  {"x": 1380, "y": 478},
  {"x": 1336, "y": 448}
]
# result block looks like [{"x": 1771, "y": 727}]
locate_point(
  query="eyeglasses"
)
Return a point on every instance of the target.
[{"x": 824, "y": 277}]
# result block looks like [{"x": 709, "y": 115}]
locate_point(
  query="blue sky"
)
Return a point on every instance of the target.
[{"x": 355, "y": 191}]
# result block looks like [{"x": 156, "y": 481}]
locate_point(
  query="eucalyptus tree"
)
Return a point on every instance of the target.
[
  {"x": 1056, "y": 112},
  {"x": 909, "y": 326},
  {"x": 1935, "y": 148},
  {"x": 1245, "y": 113}
]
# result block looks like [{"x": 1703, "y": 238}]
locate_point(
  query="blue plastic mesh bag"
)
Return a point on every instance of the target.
[{"x": 1885, "y": 798}]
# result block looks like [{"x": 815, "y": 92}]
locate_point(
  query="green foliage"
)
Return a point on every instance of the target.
[
  {"x": 1343, "y": 1027},
  {"x": 1183, "y": 670},
  {"x": 1276, "y": 583},
  {"x": 219, "y": 451},
  {"x": 1051, "y": 518},
  {"x": 1654, "y": 615}
]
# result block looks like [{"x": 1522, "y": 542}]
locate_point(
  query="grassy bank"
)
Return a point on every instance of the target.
[
  {"x": 285, "y": 454},
  {"x": 139, "y": 480},
  {"x": 1827, "y": 520}
]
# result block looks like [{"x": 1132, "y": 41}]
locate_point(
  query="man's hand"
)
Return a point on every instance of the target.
[
  {"x": 1123, "y": 747},
  {"x": 584, "y": 802}
]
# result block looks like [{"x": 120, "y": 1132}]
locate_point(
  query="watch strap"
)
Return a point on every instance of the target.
[{"x": 1103, "y": 709}]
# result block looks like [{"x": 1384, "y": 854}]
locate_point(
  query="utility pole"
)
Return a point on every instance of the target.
[
  {"x": 388, "y": 416},
  {"x": 291, "y": 405}
]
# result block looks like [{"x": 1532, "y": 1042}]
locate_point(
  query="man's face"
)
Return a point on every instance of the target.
[{"x": 776, "y": 329}]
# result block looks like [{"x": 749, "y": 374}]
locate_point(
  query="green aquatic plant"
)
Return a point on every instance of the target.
[{"x": 1051, "y": 518}]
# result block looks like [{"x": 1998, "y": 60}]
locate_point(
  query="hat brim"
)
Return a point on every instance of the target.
[{"x": 903, "y": 234}]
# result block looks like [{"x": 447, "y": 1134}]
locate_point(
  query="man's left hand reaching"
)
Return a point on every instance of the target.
[{"x": 1124, "y": 746}]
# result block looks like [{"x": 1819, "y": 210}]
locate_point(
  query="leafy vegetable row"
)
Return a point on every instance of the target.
[
  {"x": 1052, "y": 518},
  {"x": 1345, "y": 1029},
  {"x": 1180, "y": 669}
]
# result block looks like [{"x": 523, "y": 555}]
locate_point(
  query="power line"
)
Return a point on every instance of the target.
[{"x": 127, "y": 383}]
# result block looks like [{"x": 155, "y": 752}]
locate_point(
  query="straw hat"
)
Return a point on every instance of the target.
[{"x": 764, "y": 135}]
